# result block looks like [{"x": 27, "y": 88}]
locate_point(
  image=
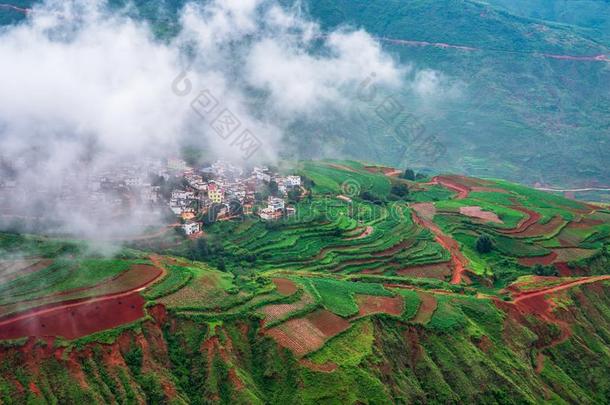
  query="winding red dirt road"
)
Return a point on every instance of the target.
[
  {"x": 461, "y": 190},
  {"x": 458, "y": 260},
  {"x": 535, "y": 302},
  {"x": 549, "y": 290}
]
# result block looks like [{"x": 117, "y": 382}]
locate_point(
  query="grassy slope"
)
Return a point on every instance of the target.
[
  {"x": 448, "y": 345},
  {"x": 475, "y": 353}
]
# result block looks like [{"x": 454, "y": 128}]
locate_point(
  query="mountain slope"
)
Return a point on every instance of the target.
[{"x": 378, "y": 291}]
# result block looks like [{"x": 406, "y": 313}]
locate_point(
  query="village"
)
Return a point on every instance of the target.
[
  {"x": 191, "y": 196},
  {"x": 221, "y": 191}
]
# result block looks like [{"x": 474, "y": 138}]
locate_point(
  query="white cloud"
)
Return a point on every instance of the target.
[{"x": 77, "y": 80}]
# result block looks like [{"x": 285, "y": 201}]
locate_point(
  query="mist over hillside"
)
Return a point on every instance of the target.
[
  {"x": 519, "y": 91},
  {"x": 304, "y": 202},
  {"x": 495, "y": 89}
]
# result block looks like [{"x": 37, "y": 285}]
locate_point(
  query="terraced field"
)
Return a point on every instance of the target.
[{"x": 328, "y": 287}]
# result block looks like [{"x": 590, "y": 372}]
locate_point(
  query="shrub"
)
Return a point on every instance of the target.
[{"x": 484, "y": 244}]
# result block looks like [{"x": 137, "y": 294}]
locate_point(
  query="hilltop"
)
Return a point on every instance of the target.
[{"x": 384, "y": 287}]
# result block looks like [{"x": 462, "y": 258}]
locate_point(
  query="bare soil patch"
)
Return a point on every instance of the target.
[
  {"x": 544, "y": 229},
  {"x": 426, "y": 308},
  {"x": 477, "y": 212},
  {"x": 75, "y": 320},
  {"x": 285, "y": 286},
  {"x": 531, "y": 218},
  {"x": 543, "y": 260},
  {"x": 370, "y": 304},
  {"x": 275, "y": 312},
  {"x": 439, "y": 271}
]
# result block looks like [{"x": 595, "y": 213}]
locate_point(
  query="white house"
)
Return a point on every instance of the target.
[
  {"x": 191, "y": 227},
  {"x": 275, "y": 203},
  {"x": 292, "y": 181}
]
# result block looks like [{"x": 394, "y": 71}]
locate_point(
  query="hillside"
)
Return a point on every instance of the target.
[{"x": 379, "y": 290}]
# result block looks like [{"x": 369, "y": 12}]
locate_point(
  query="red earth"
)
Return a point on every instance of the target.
[
  {"x": 543, "y": 229},
  {"x": 461, "y": 189},
  {"x": 438, "y": 271},
  {"x": 285, "y": 286},
  {"x": 370, "y": 304},
  {"x": 535, "y": 302},
  {"x": 458, "y": 260},
  {"x": 137, "y": 277},
  {"x": 543, "y": 260},
  {"x": 76, "y": 319},
  {"x": 531, "y": 218},
  {"x": 328, "y": 323}
]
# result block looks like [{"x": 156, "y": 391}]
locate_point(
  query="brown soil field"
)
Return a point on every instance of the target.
[
  {"x": 426, "y": 308},
  {"x": 439, "y": 271},
  {"x": 572, "y": 254},
  {"x": 298, "y": 335},
  {"x": 275, "y": 312},
  {"x": 477, "y": 212},
  {"x": 538, "y": 229},
  {"x": 370, "y": 304},
  {"x": 75, "y": 320},
  {"x": 543, "y": 260},
  {"x": 134, "y": 279},
  {"x": 327, "y": 322},
  {"x": 425, "y": 210},
  {"x": 285, "y": 286}
]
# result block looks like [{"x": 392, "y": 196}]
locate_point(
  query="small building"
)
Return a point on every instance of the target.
[
  {"x": 215, "y": 193},
  {"x": 269, "y": 214},
  {"x": 191, "y": 227},
  {"x": 247, "y": 209},
  {"x": 292, "y": 181},
  {"x": 275, "y": 203},
  {"x": 274, "y": 210}
]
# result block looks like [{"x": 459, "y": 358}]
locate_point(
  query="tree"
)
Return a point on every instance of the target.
[
  {"x": 400, "y": 190},
  {"x": 294, "y": 195},
  {"x": 273, "y": 189},
  {"x": 547, "y": 271},
  {"x": 409, "y": 174},
  {"x": 484, "y": 244}
]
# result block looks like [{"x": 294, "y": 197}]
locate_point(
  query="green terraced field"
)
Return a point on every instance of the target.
[{"x": 323, "y": 292}]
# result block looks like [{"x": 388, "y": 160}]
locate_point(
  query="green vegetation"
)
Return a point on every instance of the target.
[{"x": 255, "y": 309}]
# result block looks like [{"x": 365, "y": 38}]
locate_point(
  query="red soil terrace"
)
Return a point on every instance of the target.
[
  {"x": 531, "y": 218},
  {"x": 367, "y": 231},
  {"x": 75, "y": 320},
  {"x": 369, "y": 304},
  {"x": 543, "y": 260},
  {"x": 72, "y": 319},
  {"x": 285, "y": 286},
  {"x": 137, "y": 277},
  {"x": 458, "y": 260}
]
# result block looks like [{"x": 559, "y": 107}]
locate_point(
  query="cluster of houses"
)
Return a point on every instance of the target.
[
  {"x": 220, "y": 189},
  {"x": 96, "y": 193},
  {"x": 224, "y": 191}
]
